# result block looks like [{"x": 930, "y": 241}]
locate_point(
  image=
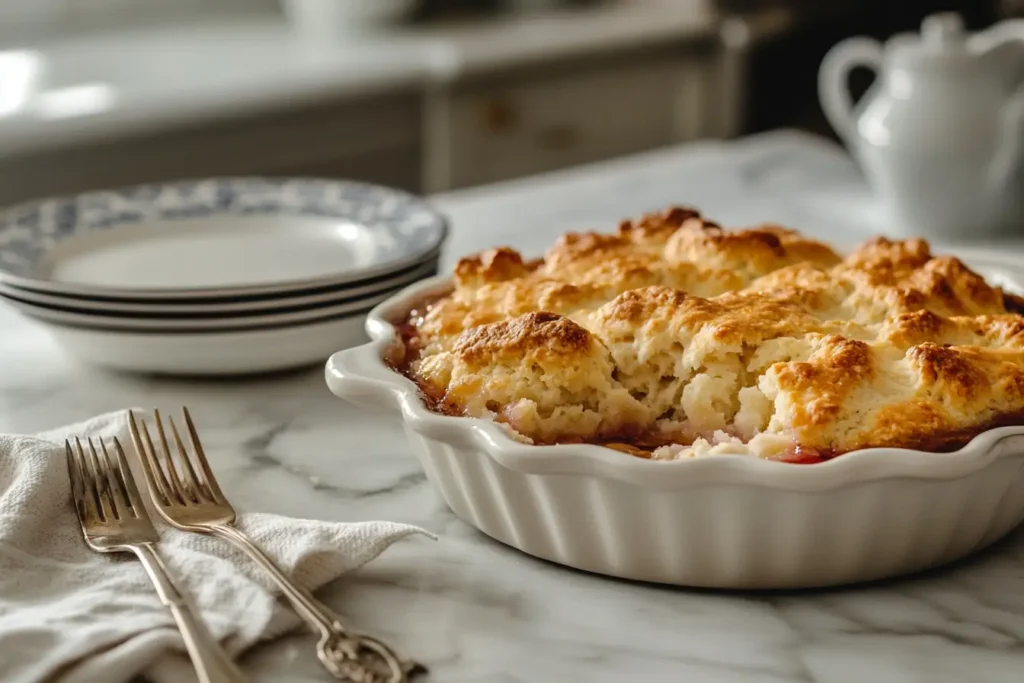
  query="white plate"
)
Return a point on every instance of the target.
[
  {"x": 215, "y": 238},
  {"x": 129, "y": 323},
  {"x": 211, "y": 353},
  {"x": 252, "y": 305}
]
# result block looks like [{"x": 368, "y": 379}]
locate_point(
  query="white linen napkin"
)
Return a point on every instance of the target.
[{"x": 73, "y": 615}]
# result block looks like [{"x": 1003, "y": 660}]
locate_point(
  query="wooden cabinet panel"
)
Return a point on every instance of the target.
[
  {"x": 543, "y": 122},
  {"x": 376, "y": 140},
  {"x": 396, "y": 167}
]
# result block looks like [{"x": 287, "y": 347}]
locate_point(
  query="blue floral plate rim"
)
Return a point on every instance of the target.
[{"x": 410, "y": 228}]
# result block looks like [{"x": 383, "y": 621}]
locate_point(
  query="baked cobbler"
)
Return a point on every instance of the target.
[{"x": 676, "y": 338}]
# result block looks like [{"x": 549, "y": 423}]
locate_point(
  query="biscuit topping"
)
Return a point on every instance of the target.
[{"x": 674, "y": 338}]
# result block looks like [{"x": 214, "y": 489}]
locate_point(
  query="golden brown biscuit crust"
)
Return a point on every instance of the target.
[{"x": 686, "y": 338}]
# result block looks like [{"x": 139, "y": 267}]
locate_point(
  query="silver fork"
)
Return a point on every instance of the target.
[
  {"x": 114, "y": 520},
  {"x": 189, "y": 498}
]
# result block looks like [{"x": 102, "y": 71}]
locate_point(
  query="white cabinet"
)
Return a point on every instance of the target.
[{"x": 429, "y": 137}]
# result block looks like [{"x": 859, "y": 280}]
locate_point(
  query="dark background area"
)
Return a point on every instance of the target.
[{"x": 783, "y": 71}]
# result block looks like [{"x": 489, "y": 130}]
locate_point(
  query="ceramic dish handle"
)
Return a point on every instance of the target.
[
  {"x": 833, "y": 90},
  {"x": 357, "y": 375}
]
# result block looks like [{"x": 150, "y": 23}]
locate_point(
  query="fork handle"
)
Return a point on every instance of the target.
[
  {"x": 348, "y": 656},
  {"x": 212, "y": 664}
]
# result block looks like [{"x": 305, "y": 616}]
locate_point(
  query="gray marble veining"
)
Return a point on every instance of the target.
[{"x": 477, "y": 611}]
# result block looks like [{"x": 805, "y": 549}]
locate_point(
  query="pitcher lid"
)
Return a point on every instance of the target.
[{"x": 942, "y": 41}]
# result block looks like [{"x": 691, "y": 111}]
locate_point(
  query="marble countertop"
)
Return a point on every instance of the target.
[
  {"x": 479, "y": 612},
  {"x": 129, "y": 81}
]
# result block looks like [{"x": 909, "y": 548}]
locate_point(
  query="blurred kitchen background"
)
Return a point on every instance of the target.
[{"x": 440, "y": 94}]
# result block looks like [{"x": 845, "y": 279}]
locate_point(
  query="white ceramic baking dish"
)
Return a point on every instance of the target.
[{"x": 725, "y": 521}]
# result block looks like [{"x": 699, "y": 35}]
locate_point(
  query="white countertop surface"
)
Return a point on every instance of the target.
[
  {"x": 129, "y": 81},
  {"x": 479, "y": 612}
]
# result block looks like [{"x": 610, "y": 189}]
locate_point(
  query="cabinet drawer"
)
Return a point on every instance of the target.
[{"x": 546, "y": 122}]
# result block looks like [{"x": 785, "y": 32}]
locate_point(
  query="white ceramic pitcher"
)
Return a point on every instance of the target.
[{"x": 940, "y": 134}]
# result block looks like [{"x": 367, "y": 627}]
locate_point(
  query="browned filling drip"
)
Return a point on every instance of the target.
[
  {"x": 409, "y": 353},
  {"x": 1014, "y": 303},
  {"x": 642, "y": 445}
]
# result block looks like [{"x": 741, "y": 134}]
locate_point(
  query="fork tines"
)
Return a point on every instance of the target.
[
  {"x": 102, "y": 486},
  {"x": 195, "y": 483}
]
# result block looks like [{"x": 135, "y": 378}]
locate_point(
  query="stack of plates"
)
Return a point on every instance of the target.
[{"x": 220, "y": 276}]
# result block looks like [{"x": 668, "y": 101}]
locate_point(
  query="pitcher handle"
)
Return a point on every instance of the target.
[
  {"x": 1003, "y": 44},
  {"x": 833, "y": 89}
]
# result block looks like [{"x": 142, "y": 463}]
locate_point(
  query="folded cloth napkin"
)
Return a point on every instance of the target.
[{"x": 70, "y": 614}]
